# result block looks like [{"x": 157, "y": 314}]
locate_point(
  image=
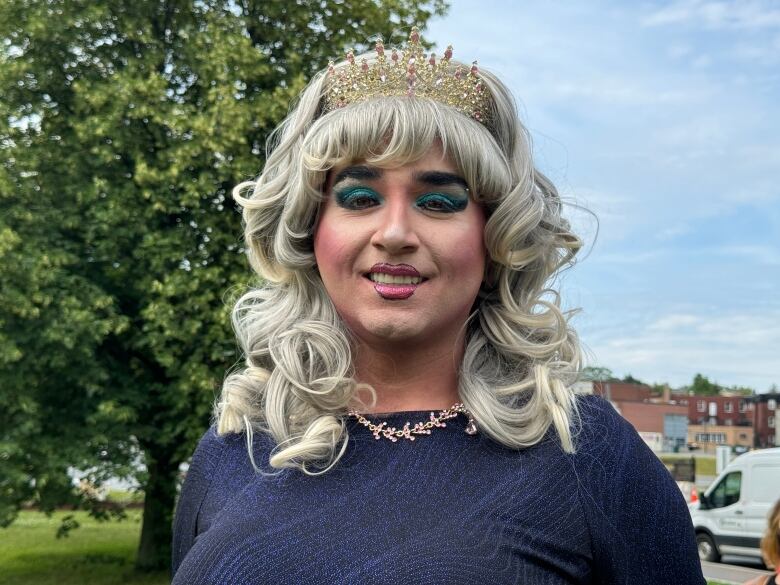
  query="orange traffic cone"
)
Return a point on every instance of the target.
[{"x": 694, "y": 495}]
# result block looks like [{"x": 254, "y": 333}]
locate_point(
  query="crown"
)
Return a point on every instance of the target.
[{"x": 408, "y": 73}]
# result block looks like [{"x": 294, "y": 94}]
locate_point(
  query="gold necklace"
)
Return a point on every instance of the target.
[{"x": 420, "y": 428}]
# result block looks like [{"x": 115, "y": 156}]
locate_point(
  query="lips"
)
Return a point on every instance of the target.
[{"x": 395, "y": 281}]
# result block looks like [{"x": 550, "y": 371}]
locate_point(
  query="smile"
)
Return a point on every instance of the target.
[
  {"x": 395, "y": 281},
  {"x": 390, "y": 279}
]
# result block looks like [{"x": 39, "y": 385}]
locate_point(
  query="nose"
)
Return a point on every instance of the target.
[{"x": 395, "y": 232}]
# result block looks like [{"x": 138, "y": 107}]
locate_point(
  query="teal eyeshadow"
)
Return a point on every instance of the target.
[
  {"x": 345, "y": 197},
  {"x": 451, "y": 202}
]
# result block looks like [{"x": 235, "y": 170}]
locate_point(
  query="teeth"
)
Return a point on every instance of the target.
[{"x": 390, "y": 279}]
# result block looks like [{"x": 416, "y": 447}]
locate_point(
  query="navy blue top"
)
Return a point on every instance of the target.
[{"x": 446, "y": 508}]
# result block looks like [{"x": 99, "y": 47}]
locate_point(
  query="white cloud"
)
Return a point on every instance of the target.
[
  {"x": 673, "y": 322},
  {"x": 757, "y": 254},
  {"x": 738, "y": 14},
  {"x": 736, "y": 348}
]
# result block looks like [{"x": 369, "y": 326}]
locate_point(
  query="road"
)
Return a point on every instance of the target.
[{"x": 732, "y": 573}]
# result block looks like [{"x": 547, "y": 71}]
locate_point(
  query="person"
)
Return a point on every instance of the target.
[
  {"x": 406, "y": 409},
  {"x": 770, "y": 549}
]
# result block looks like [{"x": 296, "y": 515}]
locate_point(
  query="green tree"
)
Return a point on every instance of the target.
[
  {"x": 703, "y": 387},
  {"x": 597, "y": 374},
  {"x": 629, "y": 379},
  {"x": 123, "y": 127}
]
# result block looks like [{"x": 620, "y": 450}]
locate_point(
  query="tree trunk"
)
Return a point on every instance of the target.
[{"x": 154, "y": 550}]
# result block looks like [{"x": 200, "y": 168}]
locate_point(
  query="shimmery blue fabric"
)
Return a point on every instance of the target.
[{"x": 447, "y": 508}]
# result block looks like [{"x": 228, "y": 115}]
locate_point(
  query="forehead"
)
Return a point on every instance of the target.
[{"x": 434, "y": 167}]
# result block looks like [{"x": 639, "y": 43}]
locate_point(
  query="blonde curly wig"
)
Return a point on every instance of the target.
[{"x": 521, "y": 356}]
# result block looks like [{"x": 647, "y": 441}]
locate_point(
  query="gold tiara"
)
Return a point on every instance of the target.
[{"x": 408, "y": 73}]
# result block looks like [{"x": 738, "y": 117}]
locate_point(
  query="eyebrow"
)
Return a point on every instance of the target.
[
  {"x": 361, "y": 172},
  {"x": 433, "y": 178}
]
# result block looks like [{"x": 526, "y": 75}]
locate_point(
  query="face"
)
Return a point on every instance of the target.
[{"x": 401, "y": 250}]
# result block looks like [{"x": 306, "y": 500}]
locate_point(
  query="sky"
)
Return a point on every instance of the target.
[{"x": 662, "y": 119}]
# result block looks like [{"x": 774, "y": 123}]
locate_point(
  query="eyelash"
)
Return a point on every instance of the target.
[{"x": 349, "y": 198}]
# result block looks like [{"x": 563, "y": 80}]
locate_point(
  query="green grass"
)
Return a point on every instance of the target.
[
  {"x": 96, "y": 553},
  {"x": 704, "y": 465}
]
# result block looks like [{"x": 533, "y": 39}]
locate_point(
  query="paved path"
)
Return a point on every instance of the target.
[{"x": 729, "y": 573}]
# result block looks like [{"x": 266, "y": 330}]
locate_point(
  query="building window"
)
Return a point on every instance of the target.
[
  {"x": 701, "y": 405},
  {"x": 729, "y": 422},
  {"x": 771, "y": 422},
  {"x": 771, "y": 404},
  {"x": 718, "y": 438},
  {"x": 742, "y": 406},
  {"x": 728, "y": 407},
  {"x": 743, "y": 436}
]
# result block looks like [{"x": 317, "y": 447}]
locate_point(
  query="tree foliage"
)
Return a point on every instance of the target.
[
  {"x": 703, "y": 387},
  {"x": 123, "y": 127},
  {"x": 598, "y": 374}
]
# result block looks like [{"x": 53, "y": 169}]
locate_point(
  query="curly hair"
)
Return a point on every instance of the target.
[
  {"x": 770, "y": 543},
  {"x": 521, "y": 356}
]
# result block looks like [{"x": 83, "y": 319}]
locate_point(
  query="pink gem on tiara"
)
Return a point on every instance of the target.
[
  {"x": 448, "y": 53},
  {"x": 364, "y": 66},
  {"x": 458, "y": 72},
  {"x": 415, "y": 35},
  {"x": 432, "y": 60},
  {"x": 351, "y": 58},
  {"x": 380, "y": 48},
  {"x": 474, "y": 69},
  {"x": 394, "y": 56}
]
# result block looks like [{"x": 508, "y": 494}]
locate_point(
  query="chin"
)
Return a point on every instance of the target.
[{"x": 390, "y": 330}]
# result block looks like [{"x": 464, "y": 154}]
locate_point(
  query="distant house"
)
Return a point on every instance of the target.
[
  {"x": 669, "y": 421},
  {"x": 708, "y": 436},
  {"x": 662, "y": 422},
  {"x": 721, "y": 410},
  {"x": 766, "y": 419}
]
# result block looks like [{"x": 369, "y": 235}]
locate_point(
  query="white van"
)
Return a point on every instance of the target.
[{"x": 731, "y": 516}]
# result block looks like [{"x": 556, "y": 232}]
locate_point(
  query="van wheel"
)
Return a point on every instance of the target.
[{"x": 708, "y": 551}]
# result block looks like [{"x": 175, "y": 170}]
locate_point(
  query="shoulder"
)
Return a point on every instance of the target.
[
  {"x": 224, "y": 458},
  {"x": 221, "y": 464},
  {"x": 597, "y": 424},
  {"x": 606, "y": 441},
  {"x": 210, "y": 450},
  {"x": 221, "y": 468}
]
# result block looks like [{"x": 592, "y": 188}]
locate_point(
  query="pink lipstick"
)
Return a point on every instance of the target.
[{"x": 395, "y": 281}]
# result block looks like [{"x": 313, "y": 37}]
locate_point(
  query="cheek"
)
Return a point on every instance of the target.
[
  {"x": 469, "y": 255},
  {"x": 331, "y": 249}
]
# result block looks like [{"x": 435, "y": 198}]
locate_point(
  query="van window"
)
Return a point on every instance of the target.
[
  {"x": 764, "y": 480},
  {"x": 727, "y": 491}
]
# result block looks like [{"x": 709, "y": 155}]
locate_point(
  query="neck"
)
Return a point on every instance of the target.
[{"x": 408, "y": 377}]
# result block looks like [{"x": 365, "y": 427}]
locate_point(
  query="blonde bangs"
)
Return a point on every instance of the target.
[{"x": 394, "y": 131}]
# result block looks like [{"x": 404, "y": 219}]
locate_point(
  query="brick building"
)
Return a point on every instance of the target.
[
  {"x": 623, "y": 391},
  {"x": 721, "y": 410},
  {"x": 663, "y": 426},
  {"x": 707, "y": 437},
  {"x": 765, "y": 415}
]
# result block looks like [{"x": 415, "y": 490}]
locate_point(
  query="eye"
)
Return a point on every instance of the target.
[
  {"x": 442, "y": 203},
  {"x": 357, "y": 198}
]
